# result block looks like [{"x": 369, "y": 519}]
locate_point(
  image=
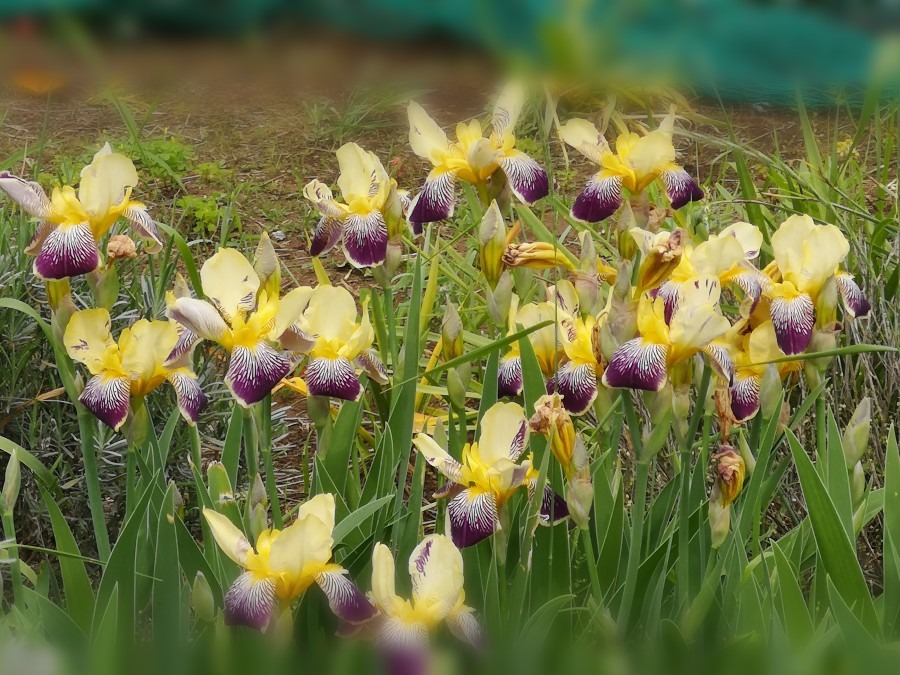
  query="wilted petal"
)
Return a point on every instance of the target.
[
  {"x": 145, "y": 226},
  {"x": 637, "y": 364},
  {"x": 43, "y": 231},
  {"x": 793, "y": 320},
  {"x": 345, "y": 599},
  {"x": 745, "y": 398},
  {"x": 107, "y": 398},
  {"x": 332, "y": 377},
  {"x": 527, "y": 179},
  {"x": 473, "y": 517},
  {"x": 191, "y": 399},
  {"x": 509, "y": 377},
  {"x": 250, "y": 602},
  {"x": 599, "y": 199},
  {"x": 68, "y": 251},
  {"x": 681, "y": 188},
  {"x": 254, "y": 372},
  {"x": 365, "y": 239},
  {"x": 327, "y": 234},
  {"x": 855, "y": 302},
  {"x": 577, "y": 384},
  {"x": 26, "y": 193},
  {"x": 751, "y": 282},
  {"x": 372, "y": 366},
  {"x": 436, "y": 201}
]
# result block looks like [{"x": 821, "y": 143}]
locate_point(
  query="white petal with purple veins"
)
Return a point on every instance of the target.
[
  {"x": 473, "y": 517},
  {"x": 332, "y": 377},
  {"x": 27, "y": 194},
  {"x": 681, "y": 188},
  {"x": 527, "y": 179},
  {"x": 855, "y": 302},
  {"x": 372, "y": 366},
  {"x": 637, "y": 364},
  {"x": 509, "y": 377},
  {"x": 327, "y": 234},
  {"x": 250, "y": 602},
  {"x": 599, "y": 199},
  {"x": 365, "y": 239},
  {"x": 68, "y": 251},
  {"x": 793, "y": 320},
  {"x": 577, "y": 384},
  {"x": 107, "y": 398},
  {"x": 145, "y": 226},
  {"x": 345, "y": 599},
  {"x": 254, "y": 372},
  {"x": 745, "y": 398},
  {"x": 191, "y": 399},
  {"x": 436, "y": 201}
]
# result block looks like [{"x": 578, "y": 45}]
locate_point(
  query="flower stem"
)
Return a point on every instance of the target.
[
  {"x": 15, "y": 568},
  {"x": 638, "y": 509},
  {"x": 264, "y": 415},
  {"x": 92, "y": 480},
  {"x": 251, "y": 445}
]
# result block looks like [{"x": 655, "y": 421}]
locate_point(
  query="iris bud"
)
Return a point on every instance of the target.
[
  {"x": 587, "y": 286},
  {"x": 580, "y": 498},
  {"x": 202, "y": 601},
  {"x": 492, "y": 244},
  {"x": 855, "y": 440},
  {"x": 730, "y": 470},
  {"x": 219, "y": 484},
  {"x": 588, "y": 261},
  {"x": 258, "y": 494},
  {"x": 456, "y": 389},
  {"x": 499, "y": 299},
  {"x": 746, "y": 455},
  {"x": 259, "y": 520},
  {"x": 104, "y": 285},
  {"x": 12, "y": 483},
  {"x": 857, "y": 483},
  {"x": 553, "y": 421},
  {"x": 719, "y": 519},
  {"x": 451, "y": 333},
  {"x": 538, "y": 255}
]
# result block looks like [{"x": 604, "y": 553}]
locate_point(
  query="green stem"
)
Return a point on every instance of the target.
[
  {"x": 130, "y": 479},
  {"x": 196, "y": 457},
  {"x": 587, "y": 540},
  {"x": 15, "y": 568},
  {"x": 820, "y": 426},
  {"x": 92, "y": 480},
  {"x": 251, "y": 445},
  {"x": 638, "y": 511},
  {"x": 684, "y": 515},
  {"x": 264, "y": 415}
]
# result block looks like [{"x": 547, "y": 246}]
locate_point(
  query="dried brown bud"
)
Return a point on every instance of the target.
[
  {"x": 730, "y": 472},
  {"x": 120, "y": 246}
]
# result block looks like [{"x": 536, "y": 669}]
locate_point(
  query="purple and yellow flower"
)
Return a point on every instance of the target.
[
  {"x": 438, "y": 597},
  {"x": 284, "y": 564},
  {"x": 751, "y": 360},
  {"x": 637, "y": 162},
  {"x": 340, "y": 346},
  {"x": 71, "y": 224},
  {"x": 576, "y": 379},
  {"x": 472, "y": 158},
  {"x": 246, "y": 316},
  {"x": 489, "y": 473},
  {"x": 696, "y": 324},
  {"x": 807, "y": 258},
  {"x": 371, "y": 213},
  {"x": 131, "y": 368}
]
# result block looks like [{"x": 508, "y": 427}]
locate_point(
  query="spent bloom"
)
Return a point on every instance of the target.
[
  {"x": 438, "y": 596},
  {"x": 636, "y": 162},
  {"x": 71, "y": 224},
  {"x": 371, "y": 213},
  {"x": 131, "y": 368},
  {"x": 472, "y": 158},
  {"x": 284, "y": 564}
]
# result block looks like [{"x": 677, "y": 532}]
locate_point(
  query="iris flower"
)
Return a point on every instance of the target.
[
  {"x": 438, "y": 596},
  {"x": 726, "y": 256},
  {"x": 807, "y": 257},
  {"x": 755, "y": 349},
  {"x": 576, "y": 379},
  {"x": 545, "y": 342},
  {"x": 644, "y": 362},
  {"x": 71, "y": 224},
  {"x": 283, "y": 564},
  {"x": 371, "y": 213},
  {"x": 340, "y": 344},
  {"x": 245, "y": 315},
  {"x": 130, "y": 368},
  {"x": 488, "y": 475},
  {"x": 637, "y": 162},
  {"x": 472, "y": 158}
]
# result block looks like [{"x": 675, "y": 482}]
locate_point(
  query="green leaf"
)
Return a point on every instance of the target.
[
  {"x": 41, "y": 472},
  {"x": 231, "y": 451},
  {"x": 168, "y": 623},
  {"x": 76, "y": 583},
  {"x": 796, "y": 619},
  {"x": 837, "y": 552},
  {"x": 891, "y": 542}
]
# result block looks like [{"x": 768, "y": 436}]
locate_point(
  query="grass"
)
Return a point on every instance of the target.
[{"x": 788, "y": 574}]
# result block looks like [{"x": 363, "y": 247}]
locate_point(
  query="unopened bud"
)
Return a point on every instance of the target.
[
  {"x": 588, "y": 260},
  {"x": 492, "y": 244},
  {"x": 456, "y": 388},
  {"x": 659, "y": 403},
  {"x": 258, "y": 495},
  {"x": 12, "y": 483},
  {"x": 580, "y": 498},
  {"x": 202, "y": 601},
  {"x": 220, "y": 489},
  {"x": 857, "y": 483},
  {"x": 104, "y": 284},
  {"x": 267, "y": 266},
  {"x": 822, "y": 341},
  {"x": 587, "y": 286},
  {"x": 177, "y": 499},
  {"x": 120, "y": 247},
  {"x": 451, "y": 333},
  {"x": 826, "y": 305},
  {"x": 259, "y": 520},
  {"x": 499, "y": 299},
  {"x": 746, "y": 455},
  {"x": 855, "y": 440},
  {"x": 319, "y": 410},
  {"x": 719, "y": 519},
  {"x": 393, "y": 257},
  {"x": 662, "y": 254}
]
